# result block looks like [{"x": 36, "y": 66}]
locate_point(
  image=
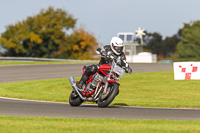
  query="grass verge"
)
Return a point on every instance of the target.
[
  {"x": 153, "y": 89},
  {"x": 58, "y": 125}
]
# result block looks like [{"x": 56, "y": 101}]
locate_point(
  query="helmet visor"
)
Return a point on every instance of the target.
[{"x": 118, "y": 49}]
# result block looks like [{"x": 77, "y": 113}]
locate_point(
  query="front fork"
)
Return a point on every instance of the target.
[{"x": 105, "y": 88}]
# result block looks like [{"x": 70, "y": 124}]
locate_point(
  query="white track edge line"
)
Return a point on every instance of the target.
[{"x": 16, "y": 99}]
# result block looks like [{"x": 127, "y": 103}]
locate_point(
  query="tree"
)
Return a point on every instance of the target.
[
  {"x": 163, "y": 48},
  {"x": 169, "y": 45},
  {"x": 79, "y": 45},
  {"x": 40, "y": 35},
  {"x": 85, "y": 45},
  {"x": 189, "y": 47},
  {"x": 153, "y": 42}
]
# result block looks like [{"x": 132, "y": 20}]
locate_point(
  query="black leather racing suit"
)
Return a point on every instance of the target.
[{"x": 107, "y": 56}]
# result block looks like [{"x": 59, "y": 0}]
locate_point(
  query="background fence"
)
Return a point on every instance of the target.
[{"x": 4, "y": 59}]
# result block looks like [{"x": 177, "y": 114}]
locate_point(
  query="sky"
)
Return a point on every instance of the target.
[{"x": 105, "y": 18}]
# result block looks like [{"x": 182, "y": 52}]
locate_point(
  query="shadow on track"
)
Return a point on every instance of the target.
[{"x": 116, "y": 105}]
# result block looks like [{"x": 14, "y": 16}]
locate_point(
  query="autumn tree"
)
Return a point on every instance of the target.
[
  {"x": 79, "y": 45},
  {"x": 45, "y": 35},
  {"x": 39, "y": 35}
]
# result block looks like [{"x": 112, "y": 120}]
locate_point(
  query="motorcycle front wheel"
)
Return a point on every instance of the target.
[
  {"x": 74, "y": 99},
  {"x": 106, "y": 98}
]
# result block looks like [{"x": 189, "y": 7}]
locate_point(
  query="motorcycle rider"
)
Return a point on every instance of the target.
[{"x": 108, "y": 53}]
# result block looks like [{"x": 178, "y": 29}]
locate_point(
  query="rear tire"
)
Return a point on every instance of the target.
[
  {"x": 104, "y": 102},
  {"x": 74, "y": 99}
]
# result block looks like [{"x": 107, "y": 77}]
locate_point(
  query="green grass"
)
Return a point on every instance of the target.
[
  {"x": 157, "y": 89},
  {"x": 43, "y": 62},
  {"x": 154, "y": 89},
  {"x": 59, "y": 125}
]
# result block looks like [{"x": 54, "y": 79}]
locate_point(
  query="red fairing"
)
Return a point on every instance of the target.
[
  {"x": 112, "y": 81},
  {"x": 104, "y": 68}
]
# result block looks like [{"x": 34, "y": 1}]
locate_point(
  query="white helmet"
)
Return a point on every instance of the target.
[{"x": 116, "y": 45}]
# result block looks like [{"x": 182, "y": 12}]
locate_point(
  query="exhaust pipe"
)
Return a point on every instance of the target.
[{"x": 73, "y": 84}]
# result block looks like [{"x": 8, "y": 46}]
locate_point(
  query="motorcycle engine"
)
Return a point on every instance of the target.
[{"x": 97, "y": 78}]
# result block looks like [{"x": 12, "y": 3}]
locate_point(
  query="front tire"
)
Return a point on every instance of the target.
[
  {"x": 104, "y": 101},
  {"x": 74, "y": 99}
]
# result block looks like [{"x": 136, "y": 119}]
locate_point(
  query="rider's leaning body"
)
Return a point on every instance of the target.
[{"x": 108, "y": 53}]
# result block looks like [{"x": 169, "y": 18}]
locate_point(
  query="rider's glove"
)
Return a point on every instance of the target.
[
  {"x": 128, "y": 70},
  {"x": 103, "y": 53}
]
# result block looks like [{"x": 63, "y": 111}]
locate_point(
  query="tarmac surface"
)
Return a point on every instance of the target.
[
  {"x": 15, "y": 73},
  {"x": 17, "y": 107}
]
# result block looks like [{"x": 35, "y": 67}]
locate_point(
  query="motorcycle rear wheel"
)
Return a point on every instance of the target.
[
  {"x": 74, "y": 99},
  {"x": 108, "y": 97}
]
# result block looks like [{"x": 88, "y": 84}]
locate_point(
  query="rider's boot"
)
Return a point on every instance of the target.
[
  {"x": 88, "y": 72},
  {"x": 82, "y": 81}
]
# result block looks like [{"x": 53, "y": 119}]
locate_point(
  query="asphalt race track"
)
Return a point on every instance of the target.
[
  {"x": 15, "y": 73},
  {"x": 11, "y": 107},
  {"x": 16, "y": 107}
]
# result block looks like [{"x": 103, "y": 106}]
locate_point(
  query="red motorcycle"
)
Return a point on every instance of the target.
[{"x": 102, "y": 87}]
